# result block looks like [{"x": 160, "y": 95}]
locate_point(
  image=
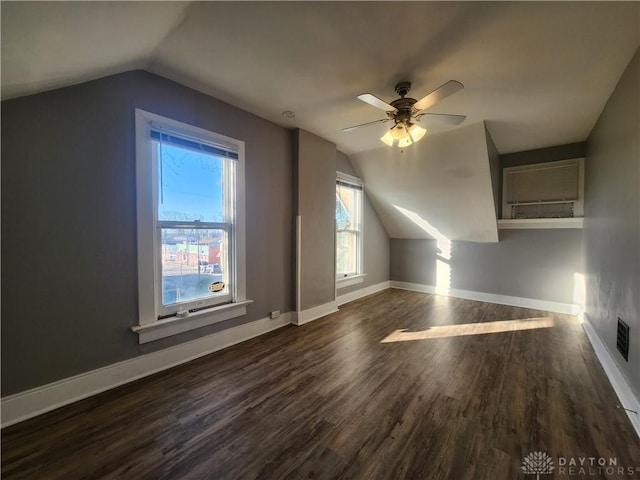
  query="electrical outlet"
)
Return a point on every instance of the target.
[{"x": 274, "y": 314}]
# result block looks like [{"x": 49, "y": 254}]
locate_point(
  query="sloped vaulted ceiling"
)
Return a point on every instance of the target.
[
  {"x": 47, "y": 45},
  {"x": 537, "y": 74},
  {"x": 437, "y": 189}
]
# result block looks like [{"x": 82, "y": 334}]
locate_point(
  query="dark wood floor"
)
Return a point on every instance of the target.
[{"x": 340, "y": 399}]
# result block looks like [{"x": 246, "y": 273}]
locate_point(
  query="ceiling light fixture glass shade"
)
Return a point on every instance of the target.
[
  {"x": 403, "y": 135},
  {"x": 399, "y": 131},
  {"x": 405, "y": 142},
  {"x": 416, "y": 132},
  {"x": 388, "y": 138}
]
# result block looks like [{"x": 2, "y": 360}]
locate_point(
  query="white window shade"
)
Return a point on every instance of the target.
[
  {"x": 544, "y": 184},
  {"x": 544, "y": 190}
]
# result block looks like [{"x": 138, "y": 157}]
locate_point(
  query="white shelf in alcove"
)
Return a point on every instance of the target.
[{"x": 541, "y": 223}]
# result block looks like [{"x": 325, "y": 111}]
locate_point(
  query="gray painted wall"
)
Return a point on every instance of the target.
[
  {"x": 375, "y": 257},
  {"x": 612, "y": 221},
  {"x": 69, "y": 273},
  {"x": 494, "y": 168},
  {"x": 316, "y": 204},
  {"x": 343, "y": 164},
  {"x": 541, "y": 155},
  {"x": 537, "y": 264},
  {"x": 413, "y": 261}
]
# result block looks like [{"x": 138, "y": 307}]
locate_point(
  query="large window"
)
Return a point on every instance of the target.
[
  {"x": 190, "y": 225},
  {"x": 348, "y": 227},
  {"x": 195, "y": 217}
]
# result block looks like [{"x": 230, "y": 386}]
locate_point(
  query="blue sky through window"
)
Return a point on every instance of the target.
[
  {"x": 190, "y": 185},
  {"x": 343, "y": 218}
]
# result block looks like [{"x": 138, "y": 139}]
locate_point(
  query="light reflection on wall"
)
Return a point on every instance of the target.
[
  {"x": 579, "y": 295},
  {"x": 443, "y": 245}
]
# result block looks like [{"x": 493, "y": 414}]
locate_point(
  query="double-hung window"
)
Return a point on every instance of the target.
[
  {"x": 348, "y": 228},
  {"x": 190, "y": 226}
]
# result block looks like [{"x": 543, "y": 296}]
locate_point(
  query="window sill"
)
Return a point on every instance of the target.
[
  {"x": 576, "y": 222},
  {"x": 351, "y": 280},
  {"x": 175, "y": 325}
]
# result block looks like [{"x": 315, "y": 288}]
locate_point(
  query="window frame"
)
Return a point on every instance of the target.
[
  {"x": 197, "y": 313},
  {"x": 351, "y": 278}
]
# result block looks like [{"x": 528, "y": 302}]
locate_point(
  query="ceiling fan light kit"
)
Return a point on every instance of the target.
[
  {"x": 405, "y": 135},
  {"x": 404, "y": 109},
  {"x": 388, "y": 138},
  {"x": 417, "y": 132},
  {"x": 399, "y": 131}
]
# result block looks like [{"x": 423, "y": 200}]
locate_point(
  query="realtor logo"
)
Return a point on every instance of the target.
[{"x": 537, "y": 463}]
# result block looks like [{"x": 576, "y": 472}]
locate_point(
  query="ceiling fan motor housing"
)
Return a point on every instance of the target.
[
  {"x": 403, "y": 105},
  {"x": 403, "y": 88}
]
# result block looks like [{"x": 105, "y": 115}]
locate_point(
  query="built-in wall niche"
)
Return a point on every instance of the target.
[{"x": 543, "y": 195}]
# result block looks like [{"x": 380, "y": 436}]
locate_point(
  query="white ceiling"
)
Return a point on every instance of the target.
[{"x": 538, "y": 73}]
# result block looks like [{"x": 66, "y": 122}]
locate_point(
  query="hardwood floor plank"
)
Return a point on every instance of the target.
[{"x": 398, "y": 385}]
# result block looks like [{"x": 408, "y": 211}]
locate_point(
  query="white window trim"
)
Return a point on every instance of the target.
[
  {"x": 345, "y": 177},
  {"x": 173, "y": 326},
  {"x": 349, "y": 280},
  {"x": 149, "y": 327},
  {"x": 357, "y": 277},
  {"x": 540, "y": 223}
]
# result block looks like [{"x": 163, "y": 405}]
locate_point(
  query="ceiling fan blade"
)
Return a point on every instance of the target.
[
  {"x": 438, "y": 94},
  {"x": 382, "y": 120},
  {"x": 376, "y": 102},
  {"x": 446, "y": 118}
]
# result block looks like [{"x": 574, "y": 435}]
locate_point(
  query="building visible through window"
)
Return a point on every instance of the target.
[
  {"x": 190, "y": 221},
  {"x": 194, "y": 220}
]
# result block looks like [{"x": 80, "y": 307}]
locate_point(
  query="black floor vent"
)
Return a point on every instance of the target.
[{"x": 622, "y": 340}]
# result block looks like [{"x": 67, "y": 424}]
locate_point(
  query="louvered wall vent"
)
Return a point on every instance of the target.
[{"x": 622, "y": 339}]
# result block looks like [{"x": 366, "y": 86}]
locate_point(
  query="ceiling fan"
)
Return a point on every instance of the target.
[{"x": 405, "y": 111}]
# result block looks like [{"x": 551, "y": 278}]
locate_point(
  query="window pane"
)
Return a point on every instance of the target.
[
  {"x": 190, "y": 185},
  {"x": 348, "y": 208},
  {"x": 346, "y": 201},
  {"x": 346, "y": 253},
  {"x": 193, "y": 261}
]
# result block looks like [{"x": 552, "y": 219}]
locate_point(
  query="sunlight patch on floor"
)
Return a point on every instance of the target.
[{"x": 482, "y": 328}]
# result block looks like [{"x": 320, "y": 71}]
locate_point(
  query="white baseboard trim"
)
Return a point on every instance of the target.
[
  {"x": 627, "y": 399},
  {"x": 362, "y": 292},
  {"x": 306, "y": 316},
  {"x": 546, "y": 305},
  {"x": 414, "y": 287},
  {"x": 30, "y": 403}
]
